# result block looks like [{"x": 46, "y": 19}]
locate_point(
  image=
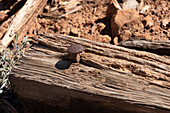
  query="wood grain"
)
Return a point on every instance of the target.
[
  {"x": 158, "y": 47},
  {"x": 138, "y": 80}
]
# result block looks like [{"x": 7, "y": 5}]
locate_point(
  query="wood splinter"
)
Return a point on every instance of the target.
[{"x": 116, "y": 4}]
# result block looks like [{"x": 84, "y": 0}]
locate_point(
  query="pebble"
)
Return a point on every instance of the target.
[
  {"x": 100, "y": 26},
  {"x": 130, "y": 4},
  {"x": 74, "y": 30},
  {"x": 121, "y": 18},
  {"x": 115, "y": 40},
  {"x": 166, "y": 23}
]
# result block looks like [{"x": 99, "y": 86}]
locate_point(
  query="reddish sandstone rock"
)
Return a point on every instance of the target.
[
  {"x": 125, "y": 35},
  {"x": 121, "y": 18},
  {"x": 111, "y": 9},
  {"x": 125, "y": 23}
]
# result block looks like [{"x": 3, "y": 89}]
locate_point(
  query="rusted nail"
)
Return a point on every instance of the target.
[{"x": 74, "y": 52}]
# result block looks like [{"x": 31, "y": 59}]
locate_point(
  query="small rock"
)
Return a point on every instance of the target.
[
  {"x": 100, "y": 26},
  {"x": 105, "y": 38},
  {"x": 144, "y": 9},
  {"x": 46, "y": 8},
  {"x": 42, "y": 21},
  {"x": 57, "y": 27},
  {"x": 121, "y": 18},
  {"x": 155, "y": 28},
  {"x": 148, "y": 22},
  {"x": 116, "y": 40},
  {"x": 130, "y": 4},
  {"x": 79, "y": 34},
  {"x": 88, "y": 22},
  {"x": 166, "y": 23},
  {"x": 142, "y": 36},
  {"x": 64, "y": 24},
  {"x": 74, "y": 31},
  {"x": 125, "y": 35},
  {"x": 66, "y": 30}
]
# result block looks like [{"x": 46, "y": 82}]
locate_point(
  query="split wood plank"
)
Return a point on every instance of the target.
[
  {"x": 158, "y": 47},
  {"x": 23, "y": 20}
]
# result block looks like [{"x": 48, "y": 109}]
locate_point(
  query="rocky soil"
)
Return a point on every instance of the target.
[
  {"x": 93, "y": 19},
  {"x": 90, "y": 20}
]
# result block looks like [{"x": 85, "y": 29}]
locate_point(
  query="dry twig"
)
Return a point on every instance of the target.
[
  {"x": 116, "y": 4},
  {"x": 72, "y": 11},
  {"x": 22, "y": 21}
]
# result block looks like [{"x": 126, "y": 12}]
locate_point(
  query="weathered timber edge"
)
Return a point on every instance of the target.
[
  {"x": 158, "y": 47},
  {"x": 106, "y": 74}
]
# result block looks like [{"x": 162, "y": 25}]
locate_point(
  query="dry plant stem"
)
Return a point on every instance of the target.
[
  {"x": 72, "y": 11},
  {"x": 116, "y": 4},
  {"x": 22, "y": 21},
  {"x": 71, "y": 4}
]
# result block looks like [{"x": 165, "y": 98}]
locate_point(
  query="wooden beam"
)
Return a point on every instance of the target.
[
  {"x": 116, "y": 77},
  {"x": 158, "y": 47}
]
